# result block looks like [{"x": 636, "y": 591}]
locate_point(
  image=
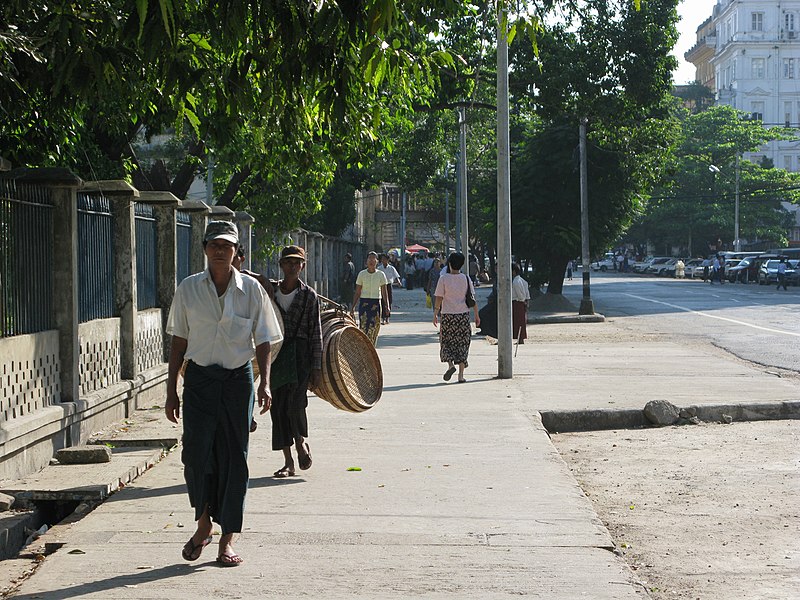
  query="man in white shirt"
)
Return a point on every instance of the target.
[
  {"x": 392, "y": 276},
  {"x": 520, "y": 294},
  {"x": 218, "y": 320}
]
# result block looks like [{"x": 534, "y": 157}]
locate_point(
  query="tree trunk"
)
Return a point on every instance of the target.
[
  {"x": 558, "y": 267},
  {"x": 235, "y": 182}
]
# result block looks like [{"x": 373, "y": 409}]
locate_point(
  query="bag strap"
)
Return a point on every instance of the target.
[{"x": 302, "y": 312}]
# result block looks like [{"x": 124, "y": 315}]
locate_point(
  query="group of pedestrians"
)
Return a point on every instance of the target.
[
  {"x": 223, "y": 318},
  {"x": 714, "y": 269}
]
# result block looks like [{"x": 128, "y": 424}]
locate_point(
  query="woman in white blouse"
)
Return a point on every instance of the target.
[
  {"x": 455, "y": 332},
  {"x": 371, "y": 298}
]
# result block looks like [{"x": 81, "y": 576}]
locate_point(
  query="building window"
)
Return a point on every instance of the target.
[
  {"x": 757, "y": 110},
  {"x": 788, "y": 68},
  {"x": 787, "y": 163},
  {"x": 757, "y": 68},
  {"x": 788, "y": 22},
  {"x": 757, "y": 21},
  {"x": 787, "y": 114}
]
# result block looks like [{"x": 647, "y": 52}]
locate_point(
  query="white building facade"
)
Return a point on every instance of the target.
[{"x": 748, "y": 54}]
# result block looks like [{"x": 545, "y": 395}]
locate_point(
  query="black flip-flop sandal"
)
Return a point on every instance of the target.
[
  {"x": 229, "y": 560},
  {"x": 449, "y": 373},
  {"x": 189, "y": 548},
  {"x": 283, "y": 472},
  {"x": 305, "y": 461}
]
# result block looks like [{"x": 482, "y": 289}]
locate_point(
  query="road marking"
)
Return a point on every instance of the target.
[{"x": 705, "y": 314}]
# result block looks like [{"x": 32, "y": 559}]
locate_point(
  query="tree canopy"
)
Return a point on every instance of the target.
[
  {"x": 278, "y": 91},
  {"x": 694, "y": 209}
]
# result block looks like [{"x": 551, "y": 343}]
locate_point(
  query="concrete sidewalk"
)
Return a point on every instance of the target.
[{"x": 460, "y": 492}]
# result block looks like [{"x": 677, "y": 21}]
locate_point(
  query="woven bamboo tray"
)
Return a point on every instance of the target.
[{"x": 352, "y": 378}]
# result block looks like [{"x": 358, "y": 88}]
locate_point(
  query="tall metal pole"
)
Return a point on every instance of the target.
[
  {"x": 210, "y": 180},
  {"x": 587, "y": 306},
  {"x": 402, "y": 256},
  {"x": 458, "y": 203},
  {"x": 736, "y": 242},
  {"x": 446, "y": 223},
  {"x": 462, "y": 126},
  {"x": 504, "y": 327}
]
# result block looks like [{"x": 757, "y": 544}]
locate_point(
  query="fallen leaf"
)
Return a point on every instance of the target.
[
  {"x": 353, "y": 468},
  {"x": 76, "y": 551}
]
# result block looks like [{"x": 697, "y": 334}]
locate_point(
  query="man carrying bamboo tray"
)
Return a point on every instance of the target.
[
  {"x": 299, "y": 361},
  {"x": 218, "y": 320}
]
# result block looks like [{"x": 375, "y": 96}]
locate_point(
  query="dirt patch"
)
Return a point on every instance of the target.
[
  {"x": 709, "y": 511},
  {"x": 605, "y": 333}
]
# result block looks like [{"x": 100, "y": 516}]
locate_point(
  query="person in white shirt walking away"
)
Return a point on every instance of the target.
[{"x": 520, "y": 295}]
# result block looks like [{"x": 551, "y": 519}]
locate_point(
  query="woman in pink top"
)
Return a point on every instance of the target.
[{"x": 455, "y": 332}]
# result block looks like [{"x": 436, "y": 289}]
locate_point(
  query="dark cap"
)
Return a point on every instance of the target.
[
  {"x": 293, "y": 252},
  {"x": 221, "y": 230}
]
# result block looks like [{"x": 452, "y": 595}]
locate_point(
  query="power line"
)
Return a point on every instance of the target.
[{"x": 756, "y": 192}]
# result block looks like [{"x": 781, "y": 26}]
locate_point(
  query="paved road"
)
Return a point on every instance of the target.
[{"x": 756, "y": 323}]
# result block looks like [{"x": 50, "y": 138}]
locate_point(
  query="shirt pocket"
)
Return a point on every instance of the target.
[{"x": 239, "y": 330}]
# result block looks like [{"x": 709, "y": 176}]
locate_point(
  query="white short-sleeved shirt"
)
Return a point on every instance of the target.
[
  {"x": 222, "y": 335},
  {"x": 371, "y": 283},
  {"x": 390, "y": 272},
  {"x": 519, "y": 289},
  {"x": 452, "y": 287}
]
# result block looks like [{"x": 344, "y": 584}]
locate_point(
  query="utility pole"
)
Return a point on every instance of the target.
[
  {"x": 458, "y": 203},
  {"x": 462, "y": 132},
  {"x": 587, "y": 306},
  {"x": 504, "y": 326},
  {"x": 446, "y": 223},
  {"x": 210, "y": 180},
  {"x": 737, "y": 246},
  {"x": 403, "y": 228}
]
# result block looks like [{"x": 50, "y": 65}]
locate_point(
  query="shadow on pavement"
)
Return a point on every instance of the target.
[{"x": 113, "y": 583}]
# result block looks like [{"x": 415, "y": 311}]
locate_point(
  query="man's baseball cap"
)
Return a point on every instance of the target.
[
  {"x": 293, "y": 252},
  {"x": 221, "y": 230}
]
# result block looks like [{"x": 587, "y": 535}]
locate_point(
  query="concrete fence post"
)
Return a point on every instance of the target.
[
  {"x": 244, "y": 223},
  {"x": 165, "y": 205},
  {"x": 199, "y": 213},
  {"x": 122, "y": 196}
]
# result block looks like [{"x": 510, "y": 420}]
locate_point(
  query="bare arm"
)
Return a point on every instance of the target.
[
  {"x": 356, "y": 297},
  {"x": 172, "y": 408},
  {"x": 436, "y": 308},
  {"x": 264, "y": 394}
]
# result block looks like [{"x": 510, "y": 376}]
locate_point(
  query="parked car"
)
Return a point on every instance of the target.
[
  {"x": 658, "y": 263},
  {"x": 746, "y": 271},
  {"x": 669, "y": 268},
  {"x": 768, "y": 273},
  {"x": 694, "y": 268},
  {"x": 607, "y": 264},
  {"x": 641, "y": 266}
]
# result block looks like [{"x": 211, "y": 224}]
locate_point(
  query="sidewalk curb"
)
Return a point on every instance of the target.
[
  {"x": 546, "y": 319},
  {"x": 566, "y": 421}
]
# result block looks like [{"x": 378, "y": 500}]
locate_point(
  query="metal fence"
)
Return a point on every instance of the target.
[
  {"x": 95, "y": 258},
  {"x": 146, "y": 268},
  {"x": 26, "y": 258},
  {"x": 183, "y": 237}
]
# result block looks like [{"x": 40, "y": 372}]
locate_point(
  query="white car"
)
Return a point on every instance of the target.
[
  {"x": 694, "y": 268},
  {"x": 607, "y": 264}
]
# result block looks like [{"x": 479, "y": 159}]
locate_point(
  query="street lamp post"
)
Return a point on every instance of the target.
[
  {"x": 736, "y": 243},
  {"x": 587, "y": 305},
  {"x": 715, "y": 170}
]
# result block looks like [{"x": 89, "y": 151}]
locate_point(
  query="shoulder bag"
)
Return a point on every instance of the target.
[{"x": 469, "y": 299}]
